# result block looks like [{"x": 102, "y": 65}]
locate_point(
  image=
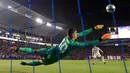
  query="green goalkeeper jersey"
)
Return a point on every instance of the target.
[
  {"x": 64, "y": 48},
  {"x": 68, "y": 44}
]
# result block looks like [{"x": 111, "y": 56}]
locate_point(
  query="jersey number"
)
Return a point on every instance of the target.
[{"x": 63, "y": 47}]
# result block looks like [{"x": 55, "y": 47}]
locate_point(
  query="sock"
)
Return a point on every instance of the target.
[{"x": 103, "y": 59}]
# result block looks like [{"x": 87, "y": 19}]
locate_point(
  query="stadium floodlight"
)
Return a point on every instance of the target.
[
  {"x": 28, "y": 16},
  {"x": 39, "y": 20},
  {"x": 12, "y": 9},
  {"x": 58, "y": 27},
  {"x": 49, "y": 24},
  {"x": 41, "y": 39},
  {"x": 116, "y": 44},
  {"x": 9, "y": 7},
  {"x": 7, "y": 33}
]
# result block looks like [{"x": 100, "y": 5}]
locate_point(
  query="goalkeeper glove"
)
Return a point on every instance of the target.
[
  {"x": 97, "y": 27},
  {"x": 106, "y": 36}
]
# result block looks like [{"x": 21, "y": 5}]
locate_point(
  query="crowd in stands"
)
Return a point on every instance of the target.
[{"x": 110, "y": 52}]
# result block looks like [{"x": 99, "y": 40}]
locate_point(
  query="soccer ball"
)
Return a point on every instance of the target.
[{"x": 110, "y": 8}]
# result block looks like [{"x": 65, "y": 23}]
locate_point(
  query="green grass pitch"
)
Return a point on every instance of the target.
[{"x": 68, "y": 66}]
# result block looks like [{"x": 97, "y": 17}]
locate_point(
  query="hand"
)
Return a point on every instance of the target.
[
  {"x": 106, "y": 36},
  {"x": 97, "y": 27}
]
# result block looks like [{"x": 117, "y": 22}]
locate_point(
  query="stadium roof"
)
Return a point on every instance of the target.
[
  {"x": 18, "y": 15},
  {"x": 65, "y": 11},
  {"x": 93, "y": 10}
]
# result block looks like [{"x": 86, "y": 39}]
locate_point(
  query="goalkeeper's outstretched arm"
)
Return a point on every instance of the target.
[
  {"x": 86, "y": 32},
  {"x": 84, "y": 45},
  {"x": 92, "y": 43}
]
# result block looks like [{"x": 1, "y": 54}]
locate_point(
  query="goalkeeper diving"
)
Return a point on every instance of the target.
[{"x": 68, "y": 44}]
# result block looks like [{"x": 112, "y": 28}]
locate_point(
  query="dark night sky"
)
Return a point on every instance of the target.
[{"x": 66, "y": 11}]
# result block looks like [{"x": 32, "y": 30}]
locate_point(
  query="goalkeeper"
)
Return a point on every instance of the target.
[{"x": 52, "y": 55}]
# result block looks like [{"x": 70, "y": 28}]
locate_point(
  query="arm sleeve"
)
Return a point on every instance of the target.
[
  {"x": 100, "y": 49},
  {"x": 83, "y": 45},
  {"x": 85, "y": 32}
]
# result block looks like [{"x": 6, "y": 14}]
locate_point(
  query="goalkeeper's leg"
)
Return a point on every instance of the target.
[
  {"x": 50, "y": 58},
  {"x": 34, "y": 63},
  {"x": 41, "y": 51}
]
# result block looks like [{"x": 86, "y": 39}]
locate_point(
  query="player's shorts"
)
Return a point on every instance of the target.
[
  {"x": 96, "y": 55},
  {"x": 52, "y": 56}
]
